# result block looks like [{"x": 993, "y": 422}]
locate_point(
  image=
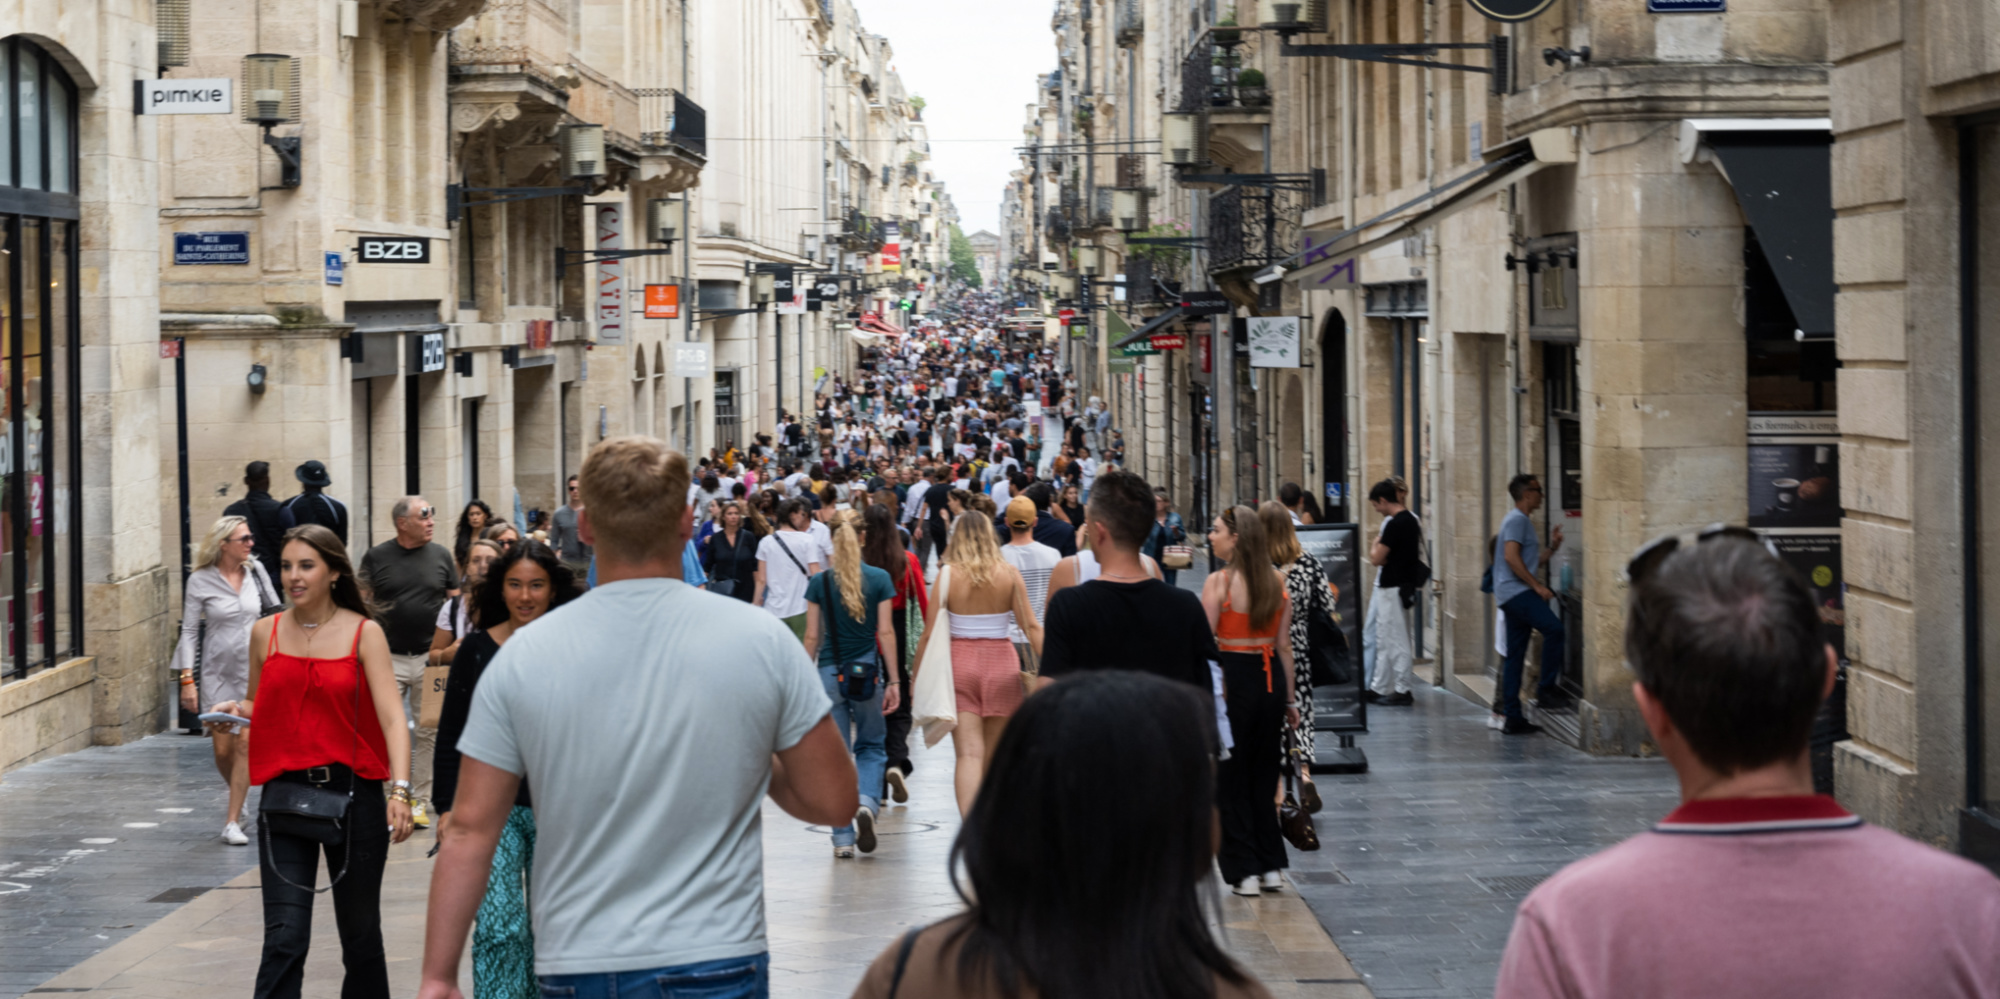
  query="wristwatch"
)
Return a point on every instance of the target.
[{"x": 405, "y": 785}]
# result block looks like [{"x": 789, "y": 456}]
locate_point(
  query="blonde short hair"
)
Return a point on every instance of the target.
[
  {"x": 209, "y": 550},
  {"x": 634, "y": 491}
]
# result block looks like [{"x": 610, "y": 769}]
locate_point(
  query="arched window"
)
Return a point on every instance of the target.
[{"x": 41, "y": 550}]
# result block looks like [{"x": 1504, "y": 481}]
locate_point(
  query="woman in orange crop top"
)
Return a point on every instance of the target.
[
  {"x": 328, "y": 714},
  {"x": 1251, "y": 615}
]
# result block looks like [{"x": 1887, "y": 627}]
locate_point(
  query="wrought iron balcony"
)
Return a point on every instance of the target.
[
  {"x": 1208, "y": 76},
  {"x": 1131, "y": 22},
  {"x": 1253, "y": 226}
]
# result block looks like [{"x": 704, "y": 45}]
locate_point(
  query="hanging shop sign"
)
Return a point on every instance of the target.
[
  {"x": 393, "y": 250},
  {"x": 1687, "y": 6},
  {"x": 892, "y": 249},
  {"x": 541, "y": 333},
  {"x": 427, "y": 353},
  {"x": 1204, "y": 303},
  {"x": 691, "y": 360},
  {"x": 215, "y": 96},
  {"x": 815, "y": 300},
  {"x": 610, "y": 275},
  {"x": 663, "y": 301},
  {"x": 1123, "y": 365},
  {"x": 194, "y": 248},
  {"x": 1510, "y": 10},
  {"x": 786, "y": 290},
  {"x": 1169, "y": 341},
  {"x": 1273, "y": 341},
  {"x": 1138, "y": 350}
]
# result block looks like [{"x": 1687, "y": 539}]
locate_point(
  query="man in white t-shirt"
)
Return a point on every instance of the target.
[
  {"x": 647, "y": 870},
  {"x": 1035, "y": 562}
]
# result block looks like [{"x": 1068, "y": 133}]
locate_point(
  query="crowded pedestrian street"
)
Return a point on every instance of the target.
[{"x": 1094, "y": 499}]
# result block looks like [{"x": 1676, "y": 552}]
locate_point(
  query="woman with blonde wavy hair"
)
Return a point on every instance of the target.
[
  {"x": 848, "y": 624},
  {"x": 226, "y": 592},
  {"x": 981, "y": 595}
]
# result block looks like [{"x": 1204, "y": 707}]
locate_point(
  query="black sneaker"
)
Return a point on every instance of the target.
[
  {"x": 1371, "y": 697},
  {"x": 1519, "y": 726},
  {"x": 1556, "y": 701},
  {"x": 1402, "y": 700},
  {"x": 864, "y": 829}
]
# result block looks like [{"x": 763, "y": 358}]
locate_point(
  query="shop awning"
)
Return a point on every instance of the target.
[
  {"x": 1153, "y": 325},
  {"x": 875, "y": 324},
  {"x": 1329, "y": 254},
  {"x": 1782, "y": 171}
]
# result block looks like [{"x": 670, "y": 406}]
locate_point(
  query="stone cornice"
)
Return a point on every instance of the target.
[{"x": 1655, "y": 91}]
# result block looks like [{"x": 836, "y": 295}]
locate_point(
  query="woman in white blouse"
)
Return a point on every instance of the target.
[{"x": 226, "y": 593}]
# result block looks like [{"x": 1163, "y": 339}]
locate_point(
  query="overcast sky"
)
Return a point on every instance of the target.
[{"x": 974, "y": 63}]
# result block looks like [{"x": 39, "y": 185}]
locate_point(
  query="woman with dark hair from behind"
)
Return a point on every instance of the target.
[
  {"x": 1036, "y": 832},
  {"x": 882, "y": 547},
  {"x": 519, "y": 587}
]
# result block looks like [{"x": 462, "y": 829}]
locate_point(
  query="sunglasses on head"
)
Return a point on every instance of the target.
[{"x": 1650, "y": 556}]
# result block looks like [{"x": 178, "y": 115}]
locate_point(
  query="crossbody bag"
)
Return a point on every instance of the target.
[
  {"x": 856, "y": 679},
  {"x": 310, "y": 811}
]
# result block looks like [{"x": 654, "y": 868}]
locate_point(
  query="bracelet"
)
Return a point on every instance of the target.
[
  {"x": 401, "y": 794},
  {"x": 187, "y": 681}
]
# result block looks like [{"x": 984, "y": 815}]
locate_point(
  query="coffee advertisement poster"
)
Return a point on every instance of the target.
[{"x": 1794, "y": 464}]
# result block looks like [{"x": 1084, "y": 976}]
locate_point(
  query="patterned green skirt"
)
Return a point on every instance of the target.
[{"x": 503, "y": 941}]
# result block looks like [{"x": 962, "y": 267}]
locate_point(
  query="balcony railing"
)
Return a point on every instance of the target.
[
  {"x": 1208, "y": 76},
  {"x": 1253, "y": 226},
  {"x": 669, "y": 120},
  {"x": 1131, "y": 21}
]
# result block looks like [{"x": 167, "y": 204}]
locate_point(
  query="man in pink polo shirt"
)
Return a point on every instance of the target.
[{"x": 1755, "y": 886}]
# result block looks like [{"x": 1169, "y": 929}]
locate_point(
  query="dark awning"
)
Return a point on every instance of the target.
[
  {"x": 1156, "y": 323},
  {"x": 1784, "y": 181}
]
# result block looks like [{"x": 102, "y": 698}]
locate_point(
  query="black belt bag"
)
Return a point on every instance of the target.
[{"x": 299, "y": 804}]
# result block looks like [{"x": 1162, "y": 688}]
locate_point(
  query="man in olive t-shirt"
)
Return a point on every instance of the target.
[{"x": 410, "y": 577}]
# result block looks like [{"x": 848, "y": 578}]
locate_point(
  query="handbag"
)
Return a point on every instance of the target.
[
  {"x": 1176, "y": 557},
  {"x": 1293, "y": 820},
  {"x": 1327, "y": 651},
  {"x": 268, "y": 602},
  {"x": 934, "y": 705}
]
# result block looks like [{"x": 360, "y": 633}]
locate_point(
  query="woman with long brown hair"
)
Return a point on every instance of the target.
[
  {"x": 882, "y": 547},
  {"x": 980, "y": 595},
  {"x": 328, "y": 716},
  {"x": 729, "y": 556},
  {"x": 1307, "y": 586},
  {"x": 1251, "y": 615}
]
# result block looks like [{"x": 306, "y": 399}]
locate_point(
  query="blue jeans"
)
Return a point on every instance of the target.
[
  {"x": 1525, "y": 611},
  {"x": 867, "y": 732},
  {"x": 730, "y": 978}
]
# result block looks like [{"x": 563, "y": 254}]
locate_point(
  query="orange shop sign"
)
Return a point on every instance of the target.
[{"x": 663, "y": 301}]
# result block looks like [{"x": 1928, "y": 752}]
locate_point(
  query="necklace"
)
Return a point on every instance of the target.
[{"x": 309, "y": 626}]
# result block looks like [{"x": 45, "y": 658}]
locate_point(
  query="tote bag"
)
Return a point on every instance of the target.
[{"x": 934, "y": 703}]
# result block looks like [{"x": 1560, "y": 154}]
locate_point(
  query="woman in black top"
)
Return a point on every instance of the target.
[
  {"x": 1072, "y": 507},
  {"x": 519, "y": 587},
  {"x": 729, "y": 556}
]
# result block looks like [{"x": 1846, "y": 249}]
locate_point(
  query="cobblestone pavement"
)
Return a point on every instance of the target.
[
  {"x": 85, "y": 927},
  {"x": 1424, "y": 858}
]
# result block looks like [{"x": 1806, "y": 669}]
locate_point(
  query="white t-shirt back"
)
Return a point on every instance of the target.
[
  {"x": 642, "y": 861},
  {"x": 784, "y": 583}
]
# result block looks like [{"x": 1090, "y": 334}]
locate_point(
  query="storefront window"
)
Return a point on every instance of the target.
[{"x": 40, "y": 552}]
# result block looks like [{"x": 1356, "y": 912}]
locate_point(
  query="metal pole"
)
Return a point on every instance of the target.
[
  {"x": 690, "y": 296},
  {"x": 186, "y": 718}
]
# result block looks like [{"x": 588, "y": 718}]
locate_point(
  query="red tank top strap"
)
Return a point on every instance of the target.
[
  {"x": 355, "y": 652},
  {"x": 275, "y": 619}
]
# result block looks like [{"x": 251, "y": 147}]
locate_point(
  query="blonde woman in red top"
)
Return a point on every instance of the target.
[{"x": 331, "y": 717}]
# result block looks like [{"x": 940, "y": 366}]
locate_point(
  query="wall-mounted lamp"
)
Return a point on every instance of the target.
[
  {"x": 270, "y": 99},
  {"x": 665, "y": 218},
  {"x": 583, "y": 151},
  {"x": 257, "y": 379},
  {"x": 1569, "y": 59}
]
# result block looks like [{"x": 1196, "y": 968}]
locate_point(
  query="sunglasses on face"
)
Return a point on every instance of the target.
[
  {"x": 424, "y": 513},
  {"x": 1648, "y": 559}
]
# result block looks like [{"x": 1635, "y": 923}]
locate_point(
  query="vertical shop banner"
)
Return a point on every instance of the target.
[
  {"x": 1273, "y": 341},
  {"x": 541, "y": 333},
  {"x": 610, "y": 275},
  {"x": 1338, "y": 708},
  {"x": 892, "y": 248}
]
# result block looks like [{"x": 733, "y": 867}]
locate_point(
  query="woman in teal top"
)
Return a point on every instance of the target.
[{"x": 849, "y": 626}]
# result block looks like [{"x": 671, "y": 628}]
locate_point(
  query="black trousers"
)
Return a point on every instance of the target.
[
  {"x": 898, "y": 740},
  {"x": 1246, "y": 784},
  {"x": 357, "y": 899}
]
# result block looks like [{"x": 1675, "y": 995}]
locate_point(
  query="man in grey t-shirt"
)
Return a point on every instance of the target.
[
  {"x": 649, "y": 766},
  {"x": 1517, "y": 588},
  {"x": 563, "y": 536}
]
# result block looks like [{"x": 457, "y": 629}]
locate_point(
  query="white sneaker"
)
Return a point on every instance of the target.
[
  {"x": 899, "y": 789},
  {"x": 1496, "y": 722},
  {"x": 843, "y": 853},
  {"x": 1271, "y": 881},
  {"x": 232, "y": 834},
  {"x": 1247, "y": 886}
]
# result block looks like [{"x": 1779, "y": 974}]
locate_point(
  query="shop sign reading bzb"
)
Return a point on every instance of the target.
[{"x": 1510, "y": 10}]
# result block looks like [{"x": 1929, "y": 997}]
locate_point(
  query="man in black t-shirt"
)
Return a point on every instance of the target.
[
  {"x": 1124, "y": 618},
  {"x": 1400, "y": 554}
]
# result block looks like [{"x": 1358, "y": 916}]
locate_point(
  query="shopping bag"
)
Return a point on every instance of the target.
[
  {"x": 934, "y": 703},
  {"x": 432, "y": 707}
]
